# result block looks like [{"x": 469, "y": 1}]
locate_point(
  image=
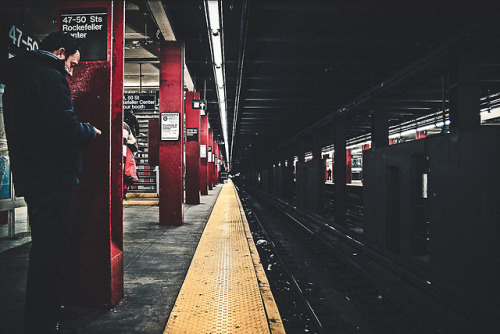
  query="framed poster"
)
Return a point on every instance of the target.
[
  {"x": 203, "y": 151},
  {"x": 170, "y": 126}
]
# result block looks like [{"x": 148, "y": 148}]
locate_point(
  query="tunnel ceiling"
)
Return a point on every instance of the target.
[{"x": 290, "y": 63}]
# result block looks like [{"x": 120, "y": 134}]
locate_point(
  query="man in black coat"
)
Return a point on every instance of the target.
[{"x": 44, "y": 137}]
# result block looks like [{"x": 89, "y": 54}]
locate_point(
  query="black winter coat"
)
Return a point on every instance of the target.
[{"x": 43, "y": 133}]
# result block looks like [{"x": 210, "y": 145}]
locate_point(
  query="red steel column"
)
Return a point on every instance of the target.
[
  {"x": 210, "y": 158},
  {"x": 348, "y": 161},
  {"x": 117, "y": 72},
  {"x": 204, "y": 154},
  {"x": 216, "y": 169},
  {"x": 192, "y": 150},
  {"x": 95, "y": 273},
  {"x": 171, "y": 150},
  {"x": 214, "y": 157}
]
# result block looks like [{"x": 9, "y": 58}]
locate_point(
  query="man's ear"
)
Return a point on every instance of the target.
[{"x": 60, "y": 53}]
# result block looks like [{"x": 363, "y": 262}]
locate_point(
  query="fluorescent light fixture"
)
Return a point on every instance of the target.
[
  {"x": 395, "y": 135},
  {"x": 350, "y": 147},
  {"x": 219, "y": 74},
  {"x": 427, "y": 127},
  {"x": 217, "y": 50},
  {"x": 221, "y": 91},
  {"x": 493, "y": 113},
  {"x": 408, "y": 132},
  {"x": 213, "y": 15}
]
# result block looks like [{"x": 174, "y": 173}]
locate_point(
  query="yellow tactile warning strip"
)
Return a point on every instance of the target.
[
  {"x": 273, "y": 314},
  {"x": 221, "y": 291}
]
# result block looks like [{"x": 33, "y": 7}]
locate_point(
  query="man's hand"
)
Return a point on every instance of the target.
[{"x": 97, "y": 131}]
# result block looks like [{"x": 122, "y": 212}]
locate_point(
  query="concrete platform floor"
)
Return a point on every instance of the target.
[{"x": 156, "y": 260}]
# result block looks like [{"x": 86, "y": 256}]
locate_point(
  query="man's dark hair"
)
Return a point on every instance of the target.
[{"x": 57, "y": 40}]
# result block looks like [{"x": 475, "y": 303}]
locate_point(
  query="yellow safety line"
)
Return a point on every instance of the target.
[
  {"x": 273, "y": 314},
  {"x": 221, "y": 291}
]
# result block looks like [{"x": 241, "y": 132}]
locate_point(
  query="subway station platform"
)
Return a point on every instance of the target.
[{"x": 202, "y": 277}]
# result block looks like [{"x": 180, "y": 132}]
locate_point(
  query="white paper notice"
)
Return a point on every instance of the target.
[{"x": 170, "y": 126}]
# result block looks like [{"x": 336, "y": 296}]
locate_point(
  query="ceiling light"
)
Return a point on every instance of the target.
[
  {"x": 427, "y": 127},
  {"x": 213, "y": 15}
]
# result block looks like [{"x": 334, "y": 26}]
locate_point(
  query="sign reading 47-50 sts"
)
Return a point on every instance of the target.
[{"x": 89, "y": 27}]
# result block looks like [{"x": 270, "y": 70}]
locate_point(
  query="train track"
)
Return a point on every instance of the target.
[{"x": 385, "y": 297}]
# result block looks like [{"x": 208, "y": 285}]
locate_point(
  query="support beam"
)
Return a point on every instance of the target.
[
  {"x": 95, "y": 265},
  {"x": 204, "y": 154},
  {"x": 192, "y": 150},
  {"x": 300, "y": 174},
  {"x": 380, "y": 123},
  {"x": 171, "y": 149},
  {"x": 163, "y": 23},
  {"x": 464, "y": 89},
  {"x": 339, "y": 173}
]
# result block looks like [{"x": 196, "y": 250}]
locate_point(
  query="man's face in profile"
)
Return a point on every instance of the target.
[{"x": 72, "y": 61}]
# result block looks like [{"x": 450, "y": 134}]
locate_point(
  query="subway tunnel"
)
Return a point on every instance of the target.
[{"x": 302, "y": 166}]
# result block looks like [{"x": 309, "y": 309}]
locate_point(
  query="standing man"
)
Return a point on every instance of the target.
[{"x": 44, "y": 138}]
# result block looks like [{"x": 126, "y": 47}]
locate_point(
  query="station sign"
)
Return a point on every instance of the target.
[
  {"x": 199, "y": 104},
  {"x": 21, "y": 41},
  {"x": 192, "y": 134},
  {"x": 170, "y": 126},
  {"x": 139, "y": 102},
  {"x": 89, "y": 27},
  {"x": 15, "y": 40}
]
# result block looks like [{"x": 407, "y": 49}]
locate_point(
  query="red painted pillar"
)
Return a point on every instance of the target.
[
  {"x": 95, "y": 273},
  {"x": 325, "y": 159},
  {"x": 216, "y": 156},
  {"x": 333, "y": 169},
  {"x": 421, "y": 134},
  {"x": 217, "y": 162},
  {"x": 117, "y": 72},
  {"x": 210, "y": 158},
  {"x": 171, "y": 149},
  {"x": 214, "y": 161},
  {"x": 204, "y": 154},
  {"x": 192, "y": 150},
  {"x": 348, "y": 158}
]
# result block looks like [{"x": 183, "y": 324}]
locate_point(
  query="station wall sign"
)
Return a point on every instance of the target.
[
  {"x": 89, "y": 27},
  {"x": 21, "y": 40},
  {"x": 203, "y": 151},
  {"x": 199, "y": 104},
  {"x": 137, "y": 102},
  {"x": 14, "y": 40},
  {"x": 170, "y": 126},
  {"x": 192, "y": 134}
]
